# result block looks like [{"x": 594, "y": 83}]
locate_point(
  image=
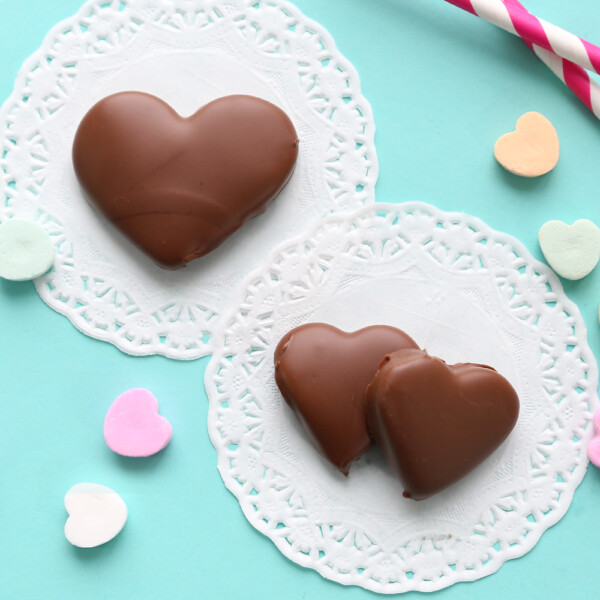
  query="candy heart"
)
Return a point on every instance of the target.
[
  {"x": 96, "y": 515},
  {"x": 594, "y": 447},
  {"x": 571, "y": 250},
  {"x": 323, "y": 374},
  {"x": 532, "y": 149},
  {"x": 26, "y": 250},
  {"x": 435, "y": 423},
  {"x": 178, "y": 187},
  {"x": 133, "y": 427}
]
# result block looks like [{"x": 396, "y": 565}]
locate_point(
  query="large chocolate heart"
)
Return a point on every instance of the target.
[
  {"x": 435, "y": 423},
  {"x": 323, "y": 374},
  {"x": 178, "y": 187}
]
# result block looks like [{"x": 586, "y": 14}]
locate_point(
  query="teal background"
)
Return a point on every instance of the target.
[{"x": 443, "y": 85}]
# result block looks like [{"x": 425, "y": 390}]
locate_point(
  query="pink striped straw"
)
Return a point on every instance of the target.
[
  {"x": 518, "y": 21},
  {"x": 573, "y": 76}
]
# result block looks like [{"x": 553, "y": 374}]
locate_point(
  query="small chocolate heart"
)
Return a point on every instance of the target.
[
  {"x": 435, "y": 423},
  {"x": 323, "y": 374},
  {"x": 178, "y": 187}
]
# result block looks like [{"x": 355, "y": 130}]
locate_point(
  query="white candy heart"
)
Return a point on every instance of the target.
[
  {"x": 571, "y": 250},
  {"x": 96, "y": 514}
]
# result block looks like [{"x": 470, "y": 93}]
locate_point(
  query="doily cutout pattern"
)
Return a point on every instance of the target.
[
  {"x": 465, "y": 293},
  {"x": 188, "y": 52}
]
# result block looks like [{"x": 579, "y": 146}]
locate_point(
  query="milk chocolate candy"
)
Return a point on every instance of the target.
[
  {"x": 178, "y": 187},
  {"x": 435, "y": 423},
  {"x": 323, "y": 374}
]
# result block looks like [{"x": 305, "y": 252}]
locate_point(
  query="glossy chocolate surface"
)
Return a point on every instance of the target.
[
  {"x": 323, "y": 374},
  {"x": 178, "y": 187},
  {"x": 435, "y": 423}
]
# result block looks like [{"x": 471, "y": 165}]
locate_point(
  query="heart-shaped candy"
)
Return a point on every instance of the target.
[
  {"x": 96, "y": 514},
  {"x": 178, "y": 187},
  {"x": 133, "y": 427},
  {"x": 594, "y": 447},
  {"x": 435, "y": 423},
  {"x": 323, "y": 374},
  {"x": 571, "y": 250},
  {"x": 532, "y": 149},
  {"x": 26, "y": 250}
]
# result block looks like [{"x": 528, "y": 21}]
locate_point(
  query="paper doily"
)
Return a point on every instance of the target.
[
  {"x": 187, "y": 52},
  {"x": 465, "y": 293}
]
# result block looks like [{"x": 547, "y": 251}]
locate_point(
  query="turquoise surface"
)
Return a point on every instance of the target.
[{"x": 443, "y": 86}]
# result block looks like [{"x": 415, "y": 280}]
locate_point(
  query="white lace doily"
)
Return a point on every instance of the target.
[
  {"x": 465, "y": 293},
  {"x": 187, "y": 52}
]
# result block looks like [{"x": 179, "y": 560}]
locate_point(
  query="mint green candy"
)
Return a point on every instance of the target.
[
  {"x": 572, "y": 251},
  {"x": 26, "y": 250}
]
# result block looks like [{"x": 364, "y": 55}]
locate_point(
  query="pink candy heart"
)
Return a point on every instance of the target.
[
  {"x": 133, "y": 427},
  {"x": 594, "y": 447}
]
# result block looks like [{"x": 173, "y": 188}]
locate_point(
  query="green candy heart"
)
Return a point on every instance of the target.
[
  {"x": 571, "y": 250},
  {"x": 26, "y": 250}
]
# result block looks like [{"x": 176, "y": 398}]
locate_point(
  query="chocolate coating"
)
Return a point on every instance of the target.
[
  {"x": 178, "y": 187},
  {"x": 435, "y": 423},
  {"x": 323, "y": 374}
]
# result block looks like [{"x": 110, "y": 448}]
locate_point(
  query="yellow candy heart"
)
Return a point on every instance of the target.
[{"x": 532, "y": 149}]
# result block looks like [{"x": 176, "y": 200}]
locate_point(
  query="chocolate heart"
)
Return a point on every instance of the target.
[
  {"x": 323, "y": 374},
  {"x": 435, "y": 423},
  {"x": 178, "y": 187}
]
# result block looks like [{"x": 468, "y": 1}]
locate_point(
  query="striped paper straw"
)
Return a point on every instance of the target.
[
  {"x": 518, "y": 21},
  {"x": 573, "y": 76}
]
